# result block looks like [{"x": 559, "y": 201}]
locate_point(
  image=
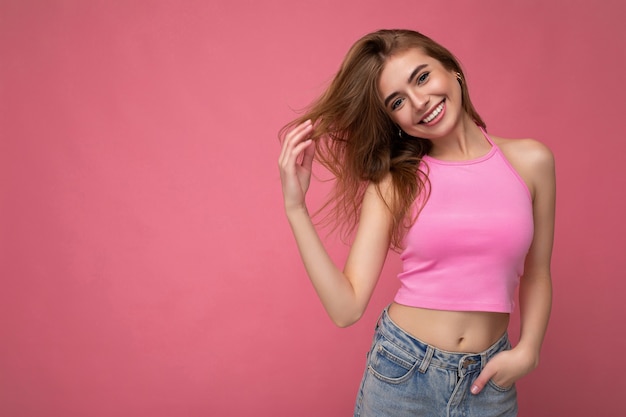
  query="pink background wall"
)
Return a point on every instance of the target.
[{"x": 146, "y": 266}]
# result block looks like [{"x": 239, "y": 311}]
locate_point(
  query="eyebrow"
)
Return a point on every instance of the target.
[{"x": 409, "y": 81}]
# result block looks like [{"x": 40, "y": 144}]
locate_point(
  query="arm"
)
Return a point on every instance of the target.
[
  {"x": 536, "y": 165},
  {"x": 344, "y": 294},
  {"x": 536, "y": 285}
]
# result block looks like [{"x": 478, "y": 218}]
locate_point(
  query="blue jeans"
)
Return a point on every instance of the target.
[{"x": 406, "y": 377}]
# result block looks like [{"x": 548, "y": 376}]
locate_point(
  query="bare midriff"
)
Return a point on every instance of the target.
[{"x": 452, "y": 331}]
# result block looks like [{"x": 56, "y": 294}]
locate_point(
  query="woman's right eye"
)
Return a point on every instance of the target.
[{"x": 396, "y": 103}]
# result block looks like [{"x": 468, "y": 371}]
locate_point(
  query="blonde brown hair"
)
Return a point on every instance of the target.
[{"x": 358, "y": 142}]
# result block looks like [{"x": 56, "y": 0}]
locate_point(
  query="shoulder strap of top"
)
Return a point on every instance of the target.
[
  {"x": 487, "y": 136},
  {"x": 497, "y": 150}
]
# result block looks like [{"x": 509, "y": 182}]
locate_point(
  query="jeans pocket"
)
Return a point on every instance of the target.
[
  {"x": 390, "y": 363},
  {"x": 498, "y": 387}
]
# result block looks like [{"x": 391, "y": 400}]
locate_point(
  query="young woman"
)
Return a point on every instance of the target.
[{"x": 471, "y": 214}]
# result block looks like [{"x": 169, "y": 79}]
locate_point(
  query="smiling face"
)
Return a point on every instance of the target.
[{"x": 421, "y": 96}]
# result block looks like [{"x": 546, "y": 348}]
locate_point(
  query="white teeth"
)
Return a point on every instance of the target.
[{"x": 434, "y": 113}]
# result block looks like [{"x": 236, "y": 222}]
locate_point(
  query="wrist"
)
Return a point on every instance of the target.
[
  {"x": 529, "y": 353},
  {"x": 296, "y": 212}
]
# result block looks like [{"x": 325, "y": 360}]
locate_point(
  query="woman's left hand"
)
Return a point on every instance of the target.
[{"x": 505, "y": 368}]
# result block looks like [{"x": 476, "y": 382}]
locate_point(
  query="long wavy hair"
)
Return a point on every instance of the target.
[{"x": 359, "y": 143}]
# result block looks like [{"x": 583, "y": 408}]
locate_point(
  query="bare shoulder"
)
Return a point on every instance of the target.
[
  {"x": 382, "y": 190},
  {"x": 377, "y": 201},
  {"x": 532, "y": 160},
  {"x": 526, "y": 152}
]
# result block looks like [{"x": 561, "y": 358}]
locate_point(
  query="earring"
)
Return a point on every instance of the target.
[
  {"x": 399, "y": 132},
  {"x": 459, "y": 78}
]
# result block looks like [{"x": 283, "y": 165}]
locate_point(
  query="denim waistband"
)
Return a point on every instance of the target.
[{"x": 431, "y": 356}]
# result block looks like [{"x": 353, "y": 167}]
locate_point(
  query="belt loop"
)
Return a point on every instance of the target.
[
  {"x": 427, "y": 357},
  {"x": 483, "y": 360},
  {"x": 381, "y": 317}
]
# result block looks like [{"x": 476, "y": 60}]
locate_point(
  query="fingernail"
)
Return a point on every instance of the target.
[{"x": 474, "y": 389}]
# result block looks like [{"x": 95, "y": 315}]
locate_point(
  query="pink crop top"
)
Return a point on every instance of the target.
[{"x": 467, "y": 248}]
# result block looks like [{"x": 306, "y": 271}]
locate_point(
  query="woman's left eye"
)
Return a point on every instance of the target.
[{"x": 422, "y": 78}]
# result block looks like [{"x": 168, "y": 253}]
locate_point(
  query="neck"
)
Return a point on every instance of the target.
[{"x": 466, "y": 141}]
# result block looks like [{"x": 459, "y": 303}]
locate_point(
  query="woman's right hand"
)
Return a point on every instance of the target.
[{"x": 295, "y": 165}]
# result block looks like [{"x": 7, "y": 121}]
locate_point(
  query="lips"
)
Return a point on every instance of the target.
[{"x": 431, "y": 116}]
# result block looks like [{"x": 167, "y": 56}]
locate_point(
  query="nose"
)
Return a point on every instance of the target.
[{"x": 419, "y": 101}]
